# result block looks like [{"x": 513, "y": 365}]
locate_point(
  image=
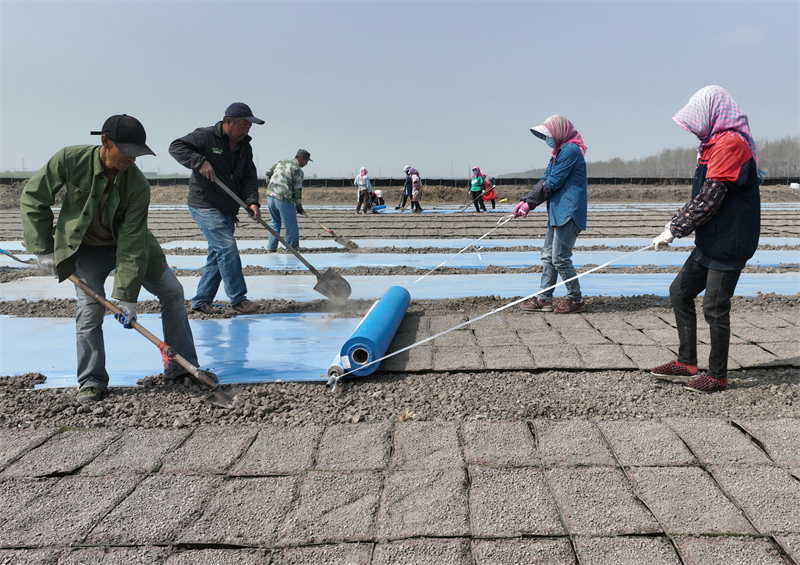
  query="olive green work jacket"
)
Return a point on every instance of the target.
[{"x": 79, "y": 171}]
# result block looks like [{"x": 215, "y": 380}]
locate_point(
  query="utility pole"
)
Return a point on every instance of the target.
[{"x": 23, "y": 164}]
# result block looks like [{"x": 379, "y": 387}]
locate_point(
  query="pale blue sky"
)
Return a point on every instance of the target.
[{"x": 438, "y": 86}]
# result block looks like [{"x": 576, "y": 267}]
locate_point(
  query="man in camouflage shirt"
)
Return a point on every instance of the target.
[{"x": 285, "y": 197}]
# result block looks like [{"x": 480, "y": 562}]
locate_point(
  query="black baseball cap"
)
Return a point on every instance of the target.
[
  {"x": 128, "y": 135},
  {"x": 242, "y": 110},
  {"x": 304, "y": 154}
]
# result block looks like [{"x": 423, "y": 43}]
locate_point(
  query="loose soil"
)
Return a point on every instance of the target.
[{"x": 493, "y": 395}]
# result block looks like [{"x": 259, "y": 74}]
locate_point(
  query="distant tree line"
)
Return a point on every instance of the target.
[{"x": 776, "y": 158}]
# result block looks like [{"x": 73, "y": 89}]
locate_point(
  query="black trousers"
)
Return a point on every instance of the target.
[{"x": 692, "y": 279}]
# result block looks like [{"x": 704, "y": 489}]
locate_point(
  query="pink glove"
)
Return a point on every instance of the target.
[{"x": 521, "y": 209}]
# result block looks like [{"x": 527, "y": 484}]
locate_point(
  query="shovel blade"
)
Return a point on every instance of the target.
[
  {"x": 223, "y": 394},
  {"x": 333, "y": 285}
]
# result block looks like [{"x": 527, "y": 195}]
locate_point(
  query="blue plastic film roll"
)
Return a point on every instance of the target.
[{"x": 372, "y": 337}]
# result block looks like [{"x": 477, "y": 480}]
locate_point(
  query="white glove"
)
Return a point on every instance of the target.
[
  {"x": 47, "y": 262},
  {"x": 662, "y": 241},
  {"x": 129, "y": 317}
]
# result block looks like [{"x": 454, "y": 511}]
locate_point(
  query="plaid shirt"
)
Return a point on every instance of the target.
[
  {"x": 285, "y": 181},
  {"x": 699, "y": 209}
]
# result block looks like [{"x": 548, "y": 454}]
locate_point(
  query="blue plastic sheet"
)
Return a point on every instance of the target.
[{"x": 372, "y": 337}]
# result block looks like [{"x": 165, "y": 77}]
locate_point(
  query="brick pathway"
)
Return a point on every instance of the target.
[{"x": 544, "y": 491}]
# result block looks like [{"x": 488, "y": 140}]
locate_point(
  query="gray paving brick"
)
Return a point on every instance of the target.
[
  {"x": 244, "y": 512},
  {"x": 763, "y": 320},
  {"x": 507, "y": 444},
  {"x": 688, "y": 501},
  {"x": 715, "y": 442},
  {"x": 761, "y": 335},
  {"x": 63, "y": 453},
  {"x": 115, "y": 556},
  {"x": 703, "y": 351},
  {"x": 609, "y": 356},
  {"x": 495, "y": 337},
  {"x": 445, "y": 322},
  {"x": 137, "y": 451},
  {"x": 556, "y": 357},
  {"x": 599, "y": 501},
  {"x": 511, "y": 503},
  {"x": 355, "y": 447},
  {"x": 66, "y": 513},
  {"x": 426, "y": 445},
  {"x": 210, "y": 449},
  {"x": 780, "y": 438},
  {"x": 791, "y": 545},
  {"x": 423, "y": 552},
  {"x": 571, "y": 442},
  {"x": 528, "y": 322},
  {"x": 628, "y": 337},
  {"x": 16, "y": 494},
  {"x": 508, "y": 357},
  {"x": 415, "y": 323},
  {"x": 646, "y": 443},
  {"x": 626, "y": 551},
  {"x": 568, "y": 324},
  {"x": 699, "y": 550},
  {"x": 13, "y": 443},
  {"x": 419, "y": 358},
  {"x": 792, "y": 319},
  {"x": 539, "y": 551},
  {"x": 541, "y": 338},
  {"x": 457, "y": 359},
  {"x": 769, "y": 495},
  {"x": 648, "y": 321},
  {"x": 752, "y": 355},
  {"x": 220, "y": 557},
  {"x": 280, "y": 451},
  {"x": 584, "y": 337},
  {"x": 424, "y": 503},
  {"x": 606, "y": 322},
  {"x": 341, "y": 554},
  {"x": 787, "y": 353},
  {"x": 30, "y": 556},
  {"x": 646, "y": 357},
  {"x": 456, "y": 338},
  {"x": 333, "y": 507},
  {"x": 665, "y": 336},
  {"x": 157, "y": 511}
]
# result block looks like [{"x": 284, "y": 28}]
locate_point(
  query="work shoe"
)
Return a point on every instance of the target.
[
  {"x": 89, "y": 394},
  {"x": 570, "y": 307},
  {"x": 206, "y": 309},
  {"x": 246, "y": 307},
  {"x": 704, "y": 383},
  {"x": 675, "y": 369},
  {"x": 536, "y": 304}
]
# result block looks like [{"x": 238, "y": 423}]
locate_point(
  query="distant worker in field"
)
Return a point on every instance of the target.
[
  {"x": 563, "y": 185},
  {"x": 364, "y": 190},
  {"x": 488, "y": 190},
  {"x": 476, "y": 186},
  {"x": 725, "y": 216},
  {"x": 416, "y": 190},
  {"x": 407, "y": 189},
  {"x": 377, "y": 198},
  {"x": 221, "y": 151},
  {"x": 285, "y": 197},
  {"x": 102, "y": 227}
]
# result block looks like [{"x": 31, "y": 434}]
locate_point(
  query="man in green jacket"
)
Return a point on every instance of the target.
[{"x": 102, "y": 227}]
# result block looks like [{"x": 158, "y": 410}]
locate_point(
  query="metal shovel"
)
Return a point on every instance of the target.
[
  {"x": 221, "y": 395},
  {"x": 15, "y": 258},
  {"x": 343, "y": 241},
  {"x": 329, "y": 283}
]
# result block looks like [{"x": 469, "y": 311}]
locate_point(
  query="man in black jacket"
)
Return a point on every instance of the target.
[{"x": 222, "y": 151}]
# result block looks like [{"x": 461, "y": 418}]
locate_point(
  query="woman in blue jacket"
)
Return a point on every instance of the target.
[{"x": 563, "y": 185}]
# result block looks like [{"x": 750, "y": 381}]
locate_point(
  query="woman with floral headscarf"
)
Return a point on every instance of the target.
[
  {"x": 563, "y": 185},
  {"x": 364, "y": 189},
  {"x": 725, "y": 216}
]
